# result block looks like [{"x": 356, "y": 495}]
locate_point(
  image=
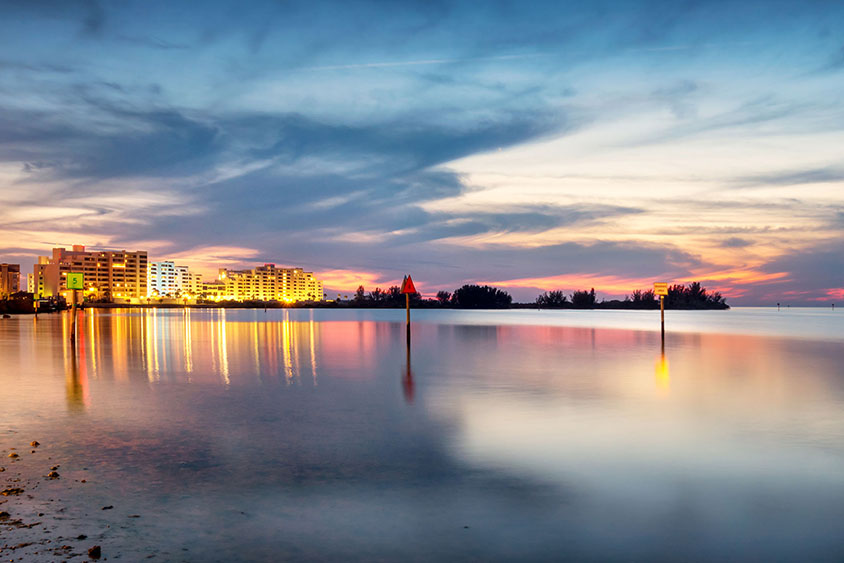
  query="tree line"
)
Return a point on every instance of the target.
[
  {"x": 691, "y": 296},
  {"x": 471, "y": 296},
  {"x": 468, "y": 296}
]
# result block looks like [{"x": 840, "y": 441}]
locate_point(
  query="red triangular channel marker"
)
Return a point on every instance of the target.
[{"x": 407, "y": 286}]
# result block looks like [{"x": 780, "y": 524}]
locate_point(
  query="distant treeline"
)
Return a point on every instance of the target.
[
  {"x": 691, "y": 296},
  {"x": 466, "y": 297}
]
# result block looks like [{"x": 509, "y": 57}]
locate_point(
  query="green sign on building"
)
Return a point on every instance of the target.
[{"x": 74, "y": 280}]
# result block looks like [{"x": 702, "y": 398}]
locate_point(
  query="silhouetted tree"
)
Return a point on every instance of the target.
[
  {"x": 480, "y": 297},
  {"x": 443, "y": 297},
  {"x": 360, "y": 294},
  {"x": 552, "y": 300},
  {"x": 583, "y": 299},
  {"x": 644, "y": 299},
  {"x": 693, "y": 296}
]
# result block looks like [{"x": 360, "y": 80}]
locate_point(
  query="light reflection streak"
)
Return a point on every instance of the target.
[
  {"x": 157, "y": 345},
  {"x": 222, "y": 352},
  {"x": 288, "y": 361},
  {"x": 148, "y": 337},
  {"x": 662, "y": 376},
  {"x": 312, "y": 341},
  {"x": 155, "y": 352},
  {"x": 188, "y": 344},
  {"x": 256, "y": 354},
  {"x": 92, "y": 338},
  {"x": 76, "y": 378}
]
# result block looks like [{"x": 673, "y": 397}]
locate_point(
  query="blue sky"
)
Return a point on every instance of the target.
[{"x": 531, "y": 145}]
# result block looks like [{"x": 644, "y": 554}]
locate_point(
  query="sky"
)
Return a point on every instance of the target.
[{"x": 529, "y": 145}]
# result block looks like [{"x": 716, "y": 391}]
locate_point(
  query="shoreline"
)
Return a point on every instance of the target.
[{"x": 38, "y": 523}]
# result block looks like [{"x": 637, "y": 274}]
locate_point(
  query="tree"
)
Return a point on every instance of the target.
[
  {"x": 443, "y": 297},
  {"x": 644, "y": 299},
  {"x": 552, "y": 300},
  {"x": 360, "y": 295},
  {"x": 481, "y": 297},
  {"x": 583, "y": 299},
  {"x": 394, "y": 296},
  {"x": 693, "y": 296}
]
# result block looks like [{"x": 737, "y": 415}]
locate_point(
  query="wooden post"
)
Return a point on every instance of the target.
[
  {"x": 662, "y": 318},
  {"x": 73, "y": 319},
  {"x": 407, "y": 288},
  {"x": 407, "y": 306}
]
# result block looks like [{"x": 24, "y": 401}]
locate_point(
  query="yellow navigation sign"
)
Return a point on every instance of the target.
[
  {"x": 661, "y": 289},
  {"x": 74, "y": 280}
]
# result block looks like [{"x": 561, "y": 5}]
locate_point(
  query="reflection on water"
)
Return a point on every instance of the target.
[
  {"x": 254, "y": 435},
  {"x": 407, "y": 378},
  {"x": 663, "y": 379},
  {"x": 77, "y": 379},
  {"x": 199, "y": 346}
]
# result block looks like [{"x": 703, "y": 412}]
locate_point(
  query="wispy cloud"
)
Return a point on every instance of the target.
[{"x": 427, "y": 62}]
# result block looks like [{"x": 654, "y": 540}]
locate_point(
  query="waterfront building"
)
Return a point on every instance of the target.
[
  {"x": 266, "y": 283},
  {"x": 30, "y": 283},
  {"x": 166, "y": 279},
  {"x": 213, "y": 290},
  {"x": 10, "y": 276},
  {"x": 116, "y": 275}
]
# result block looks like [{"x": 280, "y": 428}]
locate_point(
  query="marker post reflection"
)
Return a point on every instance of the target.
[{"x": 407, "y": 378}]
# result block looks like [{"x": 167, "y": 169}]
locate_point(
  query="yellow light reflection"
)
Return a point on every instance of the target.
[
  {"x": 76, "y": 379},
  {"x": 312, "y": 340},
  {"x": 222, "y": 353},
  {"x": 662, "y": 377},
  {"x": 188, "y": 345},
  {"x": 287, "y": 348}
]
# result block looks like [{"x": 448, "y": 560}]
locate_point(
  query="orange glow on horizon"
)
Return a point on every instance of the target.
[
  {"x": 207, "y": 260},
  {"x": 614, "y": 285},
  {"x": 728, "y": 282},
  {"x": 350, "y": 280},
  {"x": 835, "y": 293}
]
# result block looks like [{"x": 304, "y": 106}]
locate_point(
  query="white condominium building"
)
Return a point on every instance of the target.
[{"x": 166, "y": 279}]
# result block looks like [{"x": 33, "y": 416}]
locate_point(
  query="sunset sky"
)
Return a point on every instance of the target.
[{"x": 529, "y": 145}]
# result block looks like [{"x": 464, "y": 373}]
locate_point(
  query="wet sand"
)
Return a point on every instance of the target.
[{"x": 44, "y": 515}]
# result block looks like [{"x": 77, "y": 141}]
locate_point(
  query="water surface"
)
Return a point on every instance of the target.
[{"x": 294, "y": 434}]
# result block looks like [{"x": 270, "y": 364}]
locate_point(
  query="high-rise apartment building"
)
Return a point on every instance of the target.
[
  {"x": 110, "y": 274},
  {"x": 267, "y": 283},
  {"x": 165, "y": 278},
  {"x": 10, "y": 279}
]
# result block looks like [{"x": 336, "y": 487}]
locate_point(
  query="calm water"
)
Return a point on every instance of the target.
[{"x": 311, "y": 435}]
